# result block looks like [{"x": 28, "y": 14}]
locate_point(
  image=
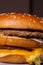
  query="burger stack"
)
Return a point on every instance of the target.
[{"x": 21, "y": 38}]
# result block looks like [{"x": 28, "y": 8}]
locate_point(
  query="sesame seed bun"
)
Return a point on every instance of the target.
[{"x": 20, "y": 21}]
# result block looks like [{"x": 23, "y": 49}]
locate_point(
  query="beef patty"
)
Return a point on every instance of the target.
[{"x": 23, "y": 33}]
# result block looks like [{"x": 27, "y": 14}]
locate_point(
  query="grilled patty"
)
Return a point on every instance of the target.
[{"x": 22, "y": 33}]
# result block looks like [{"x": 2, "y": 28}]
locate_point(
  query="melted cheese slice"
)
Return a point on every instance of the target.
[{"x": 28, "y": 55}]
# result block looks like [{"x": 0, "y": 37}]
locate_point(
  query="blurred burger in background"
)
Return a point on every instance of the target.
[{"x": 21, "y": 38}]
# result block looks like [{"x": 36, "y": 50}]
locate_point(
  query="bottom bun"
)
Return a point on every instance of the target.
[
  {"x": 16, "y": 59},
  {"x": 20, "y": 56},
  {"x": 13, "y": 59}
]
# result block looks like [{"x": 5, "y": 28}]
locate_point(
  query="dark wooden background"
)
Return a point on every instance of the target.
[{"x": 27, "y": 6}]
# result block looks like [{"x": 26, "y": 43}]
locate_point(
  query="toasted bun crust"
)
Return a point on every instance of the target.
[
  {"x": 20, "y": 21},
  {"x": 19, "y": 42},
  {"x": 13, "y": 59}
]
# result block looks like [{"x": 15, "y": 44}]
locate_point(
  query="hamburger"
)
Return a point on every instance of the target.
[{"x": 21, "y": 38}]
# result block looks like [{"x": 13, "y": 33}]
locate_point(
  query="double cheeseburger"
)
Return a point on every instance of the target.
[{"x": 21, "y": 38}]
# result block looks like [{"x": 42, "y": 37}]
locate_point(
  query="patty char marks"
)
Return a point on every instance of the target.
[{"x": 23, "y": 33}]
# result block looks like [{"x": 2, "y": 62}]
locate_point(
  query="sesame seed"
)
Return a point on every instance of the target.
[
  {"x": 34, "y": 21},
  {"x": 13, "y": 13},
  {"x": 34, "y": 15},
  {"x": 30, "y": 19},
  {"x": 14, "y": 16},
  {"x": 28, "y": 14},
  {"x": 42, "y": 18},
  {"x": 3, "y": 14},
  {"x": 24, "y": 13},
  {"x": 37, "y": 17},
  {"x": 41, "y": 21}
]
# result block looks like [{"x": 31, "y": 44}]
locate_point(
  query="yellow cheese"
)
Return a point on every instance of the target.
[{"x": 29, "y": 55}]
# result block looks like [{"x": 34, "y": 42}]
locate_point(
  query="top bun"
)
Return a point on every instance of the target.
[{"x": 20, "y": 21}]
